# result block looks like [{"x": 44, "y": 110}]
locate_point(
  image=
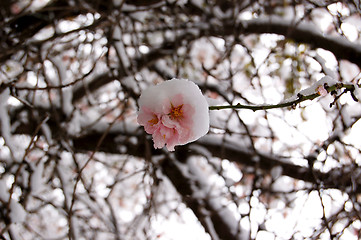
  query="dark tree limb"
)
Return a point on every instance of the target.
[
  {"x": 302, "y": 33},
  {"x": 338, "y": 178}
]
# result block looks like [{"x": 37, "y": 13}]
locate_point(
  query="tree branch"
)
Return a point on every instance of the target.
[
  {"x": 338, "y": 178},
  {"x": 226, "y": 150},
  {"x": 290, "y": 103},
  {"x": 301, "y": 33},
  {"x": 217, "y": 219}
]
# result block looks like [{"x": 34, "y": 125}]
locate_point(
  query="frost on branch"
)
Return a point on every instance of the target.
[{"x": 175, "y": 112}]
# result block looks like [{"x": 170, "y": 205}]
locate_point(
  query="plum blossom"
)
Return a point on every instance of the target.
[
  {"x": 175, "y": 112},
  {"x": 321, "y": 90}
]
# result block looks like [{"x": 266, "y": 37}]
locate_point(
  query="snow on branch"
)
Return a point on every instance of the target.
[
  {"x": 302, "y": 33},
  {"x": 235, "y": 152},
  {"x": 189, "y": 180},
  {"x": 320, "y": 88}
]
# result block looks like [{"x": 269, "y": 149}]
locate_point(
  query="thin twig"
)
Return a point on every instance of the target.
[{"x": 300, "y": 98}]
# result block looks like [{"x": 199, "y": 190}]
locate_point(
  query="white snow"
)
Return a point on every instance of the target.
[
  {"x": 117, "y": 35},
  {"x": 37, "y": 180},
  {"x": 357, "y": 92},
  {"x": 353, "y": 135},
  {"x": 313, "y": 88},
  {"x": 17, "y": 212},
  {"x": 172, "y": 228},
  {"x": 5, "y": 121},
  {"x": 204, "y": 52},
  {"x": 338, "y": 8},
  {"x": 143, "y": 49},
  {"x": 13, "y": 228},
  {"x": 231, "y": 173},
  {"x": 283, "y": 184},
  {"x": 67, "y": 184},
  {"x": 67, "y": 105},
  {"x": 276, "y": 172},
  {"x": 117, "y": 3},
  {"x": 350, "y": 31},
  {"x": 10, "y": 70},
  {"x": 325, "y": 66},
  {"x": 198, "y": 3},
  {"x": 4, "y": 193},
  {"x": 57, "y": 70},
  {"x": 47, "y": 133}
]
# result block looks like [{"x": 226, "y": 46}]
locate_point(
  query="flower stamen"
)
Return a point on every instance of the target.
[
  {"x": 176, "y": 112},
  {"x": 153, "y": 121}
]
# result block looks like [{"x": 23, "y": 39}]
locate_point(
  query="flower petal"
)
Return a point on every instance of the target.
[{"x": 175, "y": 112}]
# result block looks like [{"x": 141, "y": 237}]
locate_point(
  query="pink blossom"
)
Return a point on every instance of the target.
[
  {"x": 175, "y": 112},
  {"x": 321, "y": 90}
]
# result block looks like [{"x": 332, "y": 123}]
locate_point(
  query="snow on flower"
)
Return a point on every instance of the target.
[
  {"x": 175, "y": 112},
  {"x": 321, "y": 90}
]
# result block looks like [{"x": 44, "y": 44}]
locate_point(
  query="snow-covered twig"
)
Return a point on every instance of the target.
[{"x": 306, "y": 94}]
